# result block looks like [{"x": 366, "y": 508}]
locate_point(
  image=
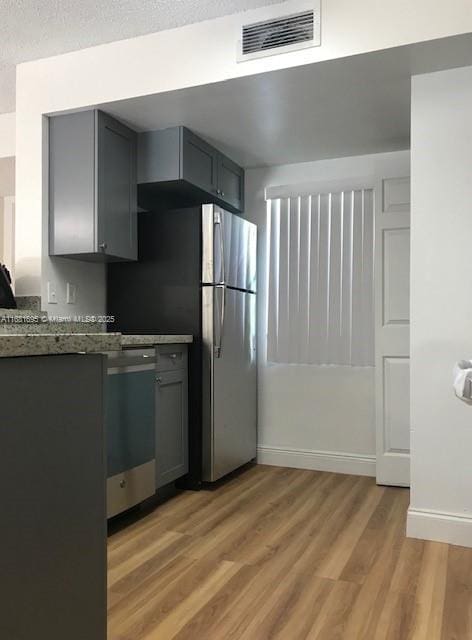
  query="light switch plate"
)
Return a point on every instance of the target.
[
  {"x": 52, "y": 293},
  {"x": 71, "y": 293}
]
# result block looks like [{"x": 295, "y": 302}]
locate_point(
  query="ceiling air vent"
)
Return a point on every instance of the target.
[{"x": 280, "y": 34}]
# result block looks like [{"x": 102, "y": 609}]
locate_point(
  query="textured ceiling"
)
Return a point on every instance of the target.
[{"x": 31, "y": 29}]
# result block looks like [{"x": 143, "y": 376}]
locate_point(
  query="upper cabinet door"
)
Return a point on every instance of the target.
[
  {"x": 92, "y": 187},
  {"x": 116, "y": 188},
  {"x": 230, "y": 182},
  {"x": 199, "y": 162}
]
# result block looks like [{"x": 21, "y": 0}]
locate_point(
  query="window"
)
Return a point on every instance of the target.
[{"x": 320, "y": 278}]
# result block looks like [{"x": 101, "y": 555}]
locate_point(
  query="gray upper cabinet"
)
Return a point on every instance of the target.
[
  {"x": 92, "y": 187},
  {"x": 171, "y": 414},
  {"x": 199, "y": 162},
  {"x": 230, "y": 182},
  {"x": 176, "y": 168}
]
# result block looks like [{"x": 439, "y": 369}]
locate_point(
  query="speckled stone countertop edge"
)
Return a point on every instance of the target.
[
  {"x": 16, "y": 345},
  {"x": 150, "y": 340}
]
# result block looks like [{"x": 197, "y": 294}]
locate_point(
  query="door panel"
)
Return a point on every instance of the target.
[
  {"x": 171, "y": 426},
  {"x": 230, "y": 420},
  {"x": 230, "y": 182},
  {"x": 200, "y": 162},
  {"x": 397, "y": 406},
  {"x": 117, "y": 209},
  {"x": 129, "y": 420},
  {"x": 392, "y": 339},
  {"x": 396, "y": 268}
]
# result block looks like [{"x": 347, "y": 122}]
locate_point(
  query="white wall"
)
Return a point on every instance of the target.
[
  {"x": 441, "y": 305},
  {"x": 2, "y": 224},
  {"x": 8, "y": 249},
  {"x": 7, "y": 135},
  {"x": 313, "y": 416},
  {"x": 7, "y": 191},
  {"x": 193, "y": 55}
]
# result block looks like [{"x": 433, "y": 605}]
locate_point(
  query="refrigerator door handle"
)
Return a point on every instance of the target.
[
  {"x": 219, "y": 224},
  {"x": 219, "y": 342}
]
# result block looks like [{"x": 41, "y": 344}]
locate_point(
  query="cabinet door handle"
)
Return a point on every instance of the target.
[
  {"x": 158, "y": 380},
  {"x": 103, "y": 246}
]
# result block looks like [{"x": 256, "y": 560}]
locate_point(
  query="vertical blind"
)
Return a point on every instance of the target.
[{"x": 320, "y": 279}]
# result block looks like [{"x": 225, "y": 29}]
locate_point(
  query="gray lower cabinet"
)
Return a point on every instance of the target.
[
  {"x": 53, "y": 524},
  {"x": 176, "y": 168},
  {"x": 171, "y": 414},
  {"x": 92, "y": 187}
]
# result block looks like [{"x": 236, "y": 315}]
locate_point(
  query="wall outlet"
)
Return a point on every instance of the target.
[
  {"x": 71, "y": 293},
  {"x": 52, "y": 293}
]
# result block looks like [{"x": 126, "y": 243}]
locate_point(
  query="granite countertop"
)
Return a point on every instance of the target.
[
  {"x": 150, "y": 340},
  {"x": 26, "y": 332},
  {"x": 41, "y": 344},
  {"x": 37, "y": 344}
]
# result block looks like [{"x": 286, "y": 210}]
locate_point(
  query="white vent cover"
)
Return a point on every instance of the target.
[{"x": 282, "y": 32}]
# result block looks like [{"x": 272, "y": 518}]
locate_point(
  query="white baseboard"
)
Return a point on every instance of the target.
[
  {"x": 441, "y": 527},
  {"x": 334, "y": 461}
]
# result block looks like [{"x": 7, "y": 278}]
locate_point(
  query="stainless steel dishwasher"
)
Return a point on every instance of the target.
[{"x": 130, "y": 428}]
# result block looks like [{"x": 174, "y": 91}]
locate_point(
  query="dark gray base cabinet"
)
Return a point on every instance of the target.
[
  {"x": 171, "y": 414},
  {"x": 176, "y": 168},
  {"x": 53, "y": 525},
  {"x": 92, "y": 188}
]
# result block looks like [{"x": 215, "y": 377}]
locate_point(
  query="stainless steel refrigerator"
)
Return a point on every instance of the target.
[
  {"x": 229, "y": 362},
  {"x": 196, "y": 274}
]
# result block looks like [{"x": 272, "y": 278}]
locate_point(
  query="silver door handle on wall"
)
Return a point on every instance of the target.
[{"x": 219, "y": 344}]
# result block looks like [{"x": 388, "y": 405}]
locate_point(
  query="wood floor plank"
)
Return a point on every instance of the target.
[
  {"x": 285, "y": 554},
  {"x": 365, "y": 615},
  {"x": 206, "y": 620},
  {"x": 369, "y": 544},
  {"x": 230, "y": 535},
  {"x": 142, "y": 555},
  {"x": 142, "y": 618},
  {"x": 300, "y": 530},
  {"x": 331, "y": 623},
  {"x": 341, "y": 549},
  {"x": 132, "y": 603},
  {"x": 457, "y": 611},
  {"x": 188, "y": 607}
]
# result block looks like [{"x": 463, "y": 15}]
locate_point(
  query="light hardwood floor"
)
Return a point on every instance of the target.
[{"x": 286, "y": 554}]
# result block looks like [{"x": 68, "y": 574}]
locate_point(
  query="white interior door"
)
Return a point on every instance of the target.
[{"x": 392, "y": 331}]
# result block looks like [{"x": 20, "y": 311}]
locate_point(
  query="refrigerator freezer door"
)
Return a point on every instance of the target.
[
  {"x": 229, "y": 249},
  {"x": 229, "y": 380}
]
